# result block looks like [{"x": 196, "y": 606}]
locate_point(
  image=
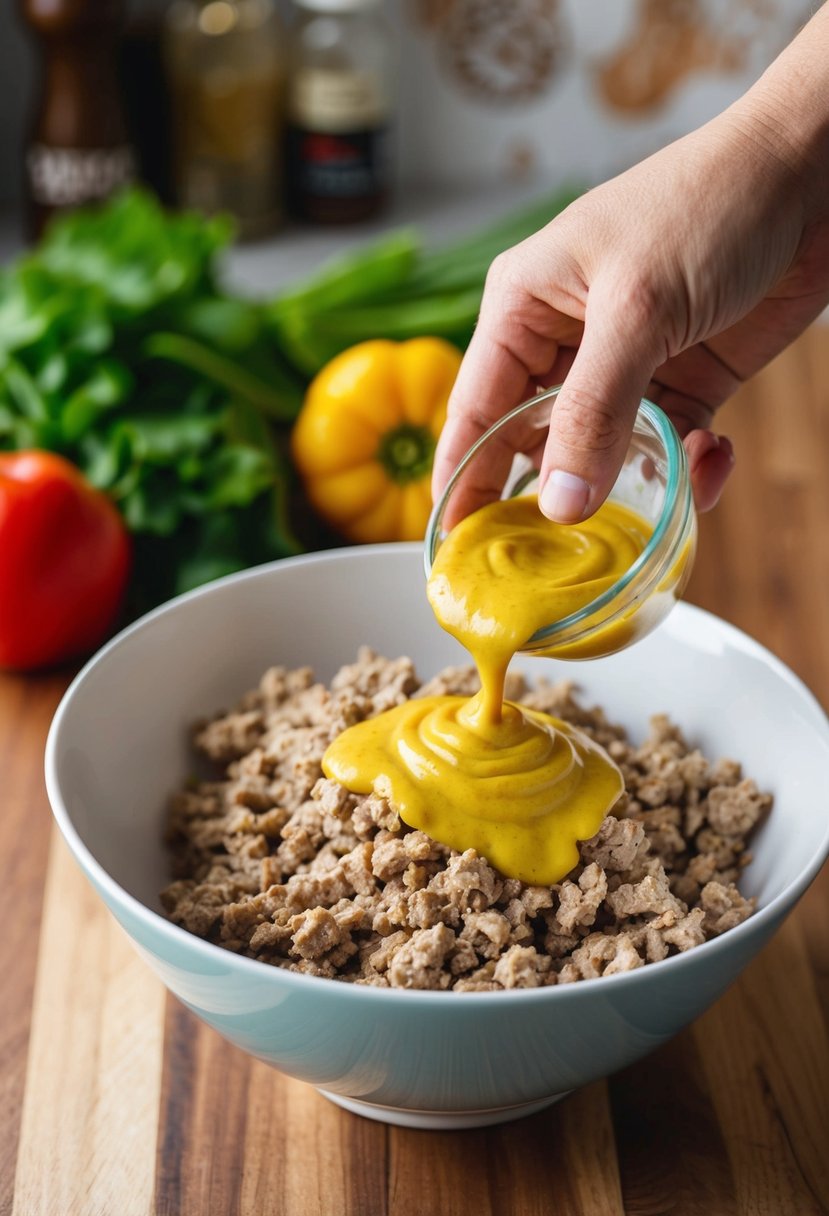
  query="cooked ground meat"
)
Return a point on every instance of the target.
[{"x": 277, "y": 862}]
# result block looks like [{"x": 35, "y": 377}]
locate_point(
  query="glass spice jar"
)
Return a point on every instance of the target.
[
  {"x": 339, "y": 111},
  {"x": 225, "y": 60}
]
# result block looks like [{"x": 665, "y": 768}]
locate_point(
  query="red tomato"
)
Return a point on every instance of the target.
[{"x": 64, "y": 561}]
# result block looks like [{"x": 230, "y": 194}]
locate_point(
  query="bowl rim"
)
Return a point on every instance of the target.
[{"x": 178, "y": 936}]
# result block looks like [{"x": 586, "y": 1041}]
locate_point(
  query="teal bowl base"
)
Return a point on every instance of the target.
[{"x": 441, "y": 1120}]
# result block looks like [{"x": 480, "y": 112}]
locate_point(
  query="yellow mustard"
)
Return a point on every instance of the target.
[{"x": 520, "y": 787}]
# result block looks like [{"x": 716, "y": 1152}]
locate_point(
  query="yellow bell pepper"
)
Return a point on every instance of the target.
[{"x": 366, "y": 435}]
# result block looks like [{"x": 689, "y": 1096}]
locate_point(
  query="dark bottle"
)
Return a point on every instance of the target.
[
  {"x": 145, "y": 94},
  {"x": 77, "y": 151},
  {"x": 339, "y": 111}
]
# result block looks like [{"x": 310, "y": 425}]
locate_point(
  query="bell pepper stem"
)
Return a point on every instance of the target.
[{"x": 406, "y": 453}]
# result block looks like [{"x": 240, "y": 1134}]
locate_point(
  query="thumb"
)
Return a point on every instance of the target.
[{"x": 592, "y": 421}]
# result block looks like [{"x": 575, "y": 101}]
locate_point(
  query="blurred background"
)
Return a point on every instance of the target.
[{"x": 470, "y": 93}]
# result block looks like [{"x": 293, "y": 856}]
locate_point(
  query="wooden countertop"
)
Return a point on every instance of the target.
[{"x": 114, "y": 1101}]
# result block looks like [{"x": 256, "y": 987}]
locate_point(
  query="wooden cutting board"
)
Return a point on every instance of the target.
[{"x": 115, "y": 1101}]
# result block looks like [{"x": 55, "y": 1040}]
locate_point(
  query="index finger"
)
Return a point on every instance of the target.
[
  {"x": 515, "y": 348},
  {"x": 492, "y": 379}
]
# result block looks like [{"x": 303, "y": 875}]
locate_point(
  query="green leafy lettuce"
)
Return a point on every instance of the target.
[{"x": 119, "y": 350}]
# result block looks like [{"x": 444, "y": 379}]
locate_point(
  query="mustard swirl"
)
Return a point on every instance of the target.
[
  {"x": 514, "y": 792},
  {"x": 520, "y": 787}
]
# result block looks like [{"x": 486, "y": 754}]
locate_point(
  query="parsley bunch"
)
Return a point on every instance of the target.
[{"x": 119, "y": 350}]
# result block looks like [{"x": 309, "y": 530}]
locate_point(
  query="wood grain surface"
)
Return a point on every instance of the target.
[{"x": 115, "y": 1101}]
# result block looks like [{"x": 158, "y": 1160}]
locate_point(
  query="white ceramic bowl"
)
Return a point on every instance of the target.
[{"x": 119, "y": 745}]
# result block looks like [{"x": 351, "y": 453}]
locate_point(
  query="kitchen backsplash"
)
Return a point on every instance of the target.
[{"x": 573, "y": 88}]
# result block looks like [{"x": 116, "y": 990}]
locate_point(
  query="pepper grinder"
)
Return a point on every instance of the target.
[{"x": 78, "y": 151}]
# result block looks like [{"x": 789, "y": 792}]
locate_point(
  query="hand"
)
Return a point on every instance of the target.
[{"x": 676, "y": 281}]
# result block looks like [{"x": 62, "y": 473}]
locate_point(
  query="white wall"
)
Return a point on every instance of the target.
[{"x": 605, "y": 81}]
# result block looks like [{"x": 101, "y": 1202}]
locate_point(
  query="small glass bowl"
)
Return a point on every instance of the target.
[{"x": 654, "y": 482}]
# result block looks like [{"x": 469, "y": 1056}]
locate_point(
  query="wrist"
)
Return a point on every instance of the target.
[{"x": 786, "y": 114}]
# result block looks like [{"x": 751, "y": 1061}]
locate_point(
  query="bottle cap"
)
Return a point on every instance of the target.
[{"x": 337, "y": 6}]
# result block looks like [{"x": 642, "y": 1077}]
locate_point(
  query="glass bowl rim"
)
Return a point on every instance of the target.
[{"x": 676, "y": 479}]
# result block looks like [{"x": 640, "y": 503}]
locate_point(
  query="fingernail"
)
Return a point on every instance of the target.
[
  {"x": 564, "y": 497},
  {"x": 727, "y": 447}
]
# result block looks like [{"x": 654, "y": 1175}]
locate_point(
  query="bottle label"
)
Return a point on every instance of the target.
[
  {"x": 336, "y": 167},
  {"x": 67, "y": 177},
  {"x": 337, "y": 101}
]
